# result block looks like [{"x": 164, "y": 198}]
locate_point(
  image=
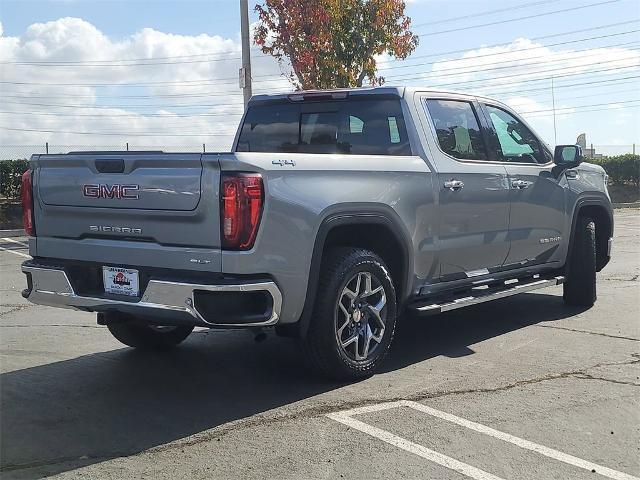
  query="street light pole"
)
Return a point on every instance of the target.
[{"x": 245, "y": 71}]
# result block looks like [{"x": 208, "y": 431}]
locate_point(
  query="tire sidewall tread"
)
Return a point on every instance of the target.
[
  {"x": 319, "y": 345},
  {"x": 580, "y": 286}
]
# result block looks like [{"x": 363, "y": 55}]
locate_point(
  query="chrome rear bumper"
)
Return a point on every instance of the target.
[{"x": 161, "y": 299}]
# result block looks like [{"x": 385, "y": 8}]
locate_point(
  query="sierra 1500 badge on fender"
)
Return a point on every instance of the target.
[{"x": 113, "y": 191}]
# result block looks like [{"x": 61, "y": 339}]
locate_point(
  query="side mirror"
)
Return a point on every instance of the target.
[{"x": 568, "y": 155}]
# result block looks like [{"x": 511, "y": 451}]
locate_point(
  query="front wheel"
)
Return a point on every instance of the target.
[
  {"x": 354, "y": 316},
  {"x": 149, "y": 337},
  {"x": 580, "y": 287}
]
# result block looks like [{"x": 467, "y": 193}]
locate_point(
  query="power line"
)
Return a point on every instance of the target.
[
  {"x": 580, "y": 106},
  {"x": 592, "y": 95},
  {"x": 613, "y": 107},
  {"x": 569, "y": 54},
  {"x": 543, "y": 37},
  {"x": 125, "y": 60},
  {"x": 484, "y": 13},
  {"x": 499, "y": 22},
  {"x": 569, "y": 85},
  {"x": 494, "y": 54},
  {"x": 444, "y": 85},
  {"x": 206, "y": 115},
  {"x": 467, "y": 69},
  {"x": 119, "y": 134},
  {"x": 529, "y": 80},
  {"x": 534, "y": 113},
  {"x": 107, "y": 107},
  {"x": 217, "y": 81},
  {"x": 167, "y": 116},
  {"x": 145, "y": 62}
]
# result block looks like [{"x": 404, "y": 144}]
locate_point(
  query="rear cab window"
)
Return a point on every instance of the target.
[{"x": 357, "y": 126}]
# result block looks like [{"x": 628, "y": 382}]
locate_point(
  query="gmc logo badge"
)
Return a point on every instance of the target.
[{"x": 113, "y": 191}]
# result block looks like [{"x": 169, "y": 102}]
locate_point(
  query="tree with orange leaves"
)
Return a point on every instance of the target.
[{"x": 333, "y": 43}]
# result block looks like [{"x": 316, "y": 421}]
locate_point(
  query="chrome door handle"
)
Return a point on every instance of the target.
[
  {"x": 453, "y": 184},
  {"x": 521, "y": 184}
]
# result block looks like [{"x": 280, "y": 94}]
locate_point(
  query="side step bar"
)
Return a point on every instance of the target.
[{"x": 483, "y": 294}]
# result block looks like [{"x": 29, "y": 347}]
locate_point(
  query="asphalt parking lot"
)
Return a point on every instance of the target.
[{"x": 521, "y": 388}]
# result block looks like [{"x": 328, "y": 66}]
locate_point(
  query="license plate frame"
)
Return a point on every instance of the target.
[{"x": 121, "y": 281}]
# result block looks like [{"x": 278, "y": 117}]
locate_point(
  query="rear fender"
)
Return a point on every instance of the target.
[{"x": 355, "y": 215}]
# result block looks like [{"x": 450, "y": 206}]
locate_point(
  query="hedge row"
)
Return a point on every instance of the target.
[
  {"x": 10, "y": 176},
  {"x": 622, "y": 169}
]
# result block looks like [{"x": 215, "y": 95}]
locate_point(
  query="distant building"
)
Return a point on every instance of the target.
[{"x": 587, "y": 152}]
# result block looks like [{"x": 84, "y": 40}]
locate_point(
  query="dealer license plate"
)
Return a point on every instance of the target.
[{"x": 121, "y": 281}]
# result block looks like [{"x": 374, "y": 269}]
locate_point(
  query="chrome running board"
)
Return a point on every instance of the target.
[{"x": 481, "y": 294}]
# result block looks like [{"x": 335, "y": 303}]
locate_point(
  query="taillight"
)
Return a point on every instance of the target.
[
  {"x": 27, "y": 204},
  {"x": 241, "y": 208}
]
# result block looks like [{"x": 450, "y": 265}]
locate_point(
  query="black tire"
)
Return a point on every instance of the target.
[
  {"x": 580, "y": 286},
  {"x": 342, "y": 269},
  {"x": 148, "y": 337}
]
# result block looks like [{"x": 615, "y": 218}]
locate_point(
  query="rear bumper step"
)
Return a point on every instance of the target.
[
  {"x": 478, "y": 295},
  {"x": 161, "y": 299}
]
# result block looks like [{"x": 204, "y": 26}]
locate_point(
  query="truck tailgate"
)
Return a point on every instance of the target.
[{"x": 107, "y": 200}]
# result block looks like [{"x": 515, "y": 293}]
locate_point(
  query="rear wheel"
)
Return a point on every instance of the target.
[
  {"x": 149, "y": 337},
  {"x": 580, "y": 287},
  {"x": 354, "y": 316}
]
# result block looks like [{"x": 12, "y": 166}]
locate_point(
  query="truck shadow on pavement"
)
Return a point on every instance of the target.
[{"x": 68, "y": 414}]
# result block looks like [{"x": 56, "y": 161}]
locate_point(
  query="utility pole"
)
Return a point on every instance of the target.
[
  {"x": 245, "y": 71},
  {"x": 553, "y": 101}
]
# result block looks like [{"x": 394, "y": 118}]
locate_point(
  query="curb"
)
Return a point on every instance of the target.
[
  {"x": 17, "y": 232},
  {"x": 626, "y": 205}
]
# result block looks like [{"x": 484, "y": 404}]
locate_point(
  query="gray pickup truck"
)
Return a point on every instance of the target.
[{"x": 337, "y": 212}]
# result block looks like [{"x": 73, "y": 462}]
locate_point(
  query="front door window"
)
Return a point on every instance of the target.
[{"x": 516, "y": 142}]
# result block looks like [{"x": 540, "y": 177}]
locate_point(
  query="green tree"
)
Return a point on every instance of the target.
[{"x": 333, "y": 43}]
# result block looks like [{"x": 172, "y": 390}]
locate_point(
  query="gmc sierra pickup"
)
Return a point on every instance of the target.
[{"x": 336, "y": 212}]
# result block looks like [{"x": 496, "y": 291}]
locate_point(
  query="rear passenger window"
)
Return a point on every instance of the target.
[
  {"x": 457, "y": 129},
  {"x": 355, "y": 126},
  {"x": 268, "y": 129}
]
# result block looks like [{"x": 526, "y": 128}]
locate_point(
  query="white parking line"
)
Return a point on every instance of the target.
[
  {"x": 11, "y": 240},
  {"x": 15, "y": 253},
  {"x": 345, "y": 417},
  {"x": 414, "y": 448}
]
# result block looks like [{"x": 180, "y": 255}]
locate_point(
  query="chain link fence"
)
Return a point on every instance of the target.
[{"x": 17, "y": 152}]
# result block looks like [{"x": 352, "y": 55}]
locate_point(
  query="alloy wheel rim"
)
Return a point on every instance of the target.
[{"x": 360, "y": 316}]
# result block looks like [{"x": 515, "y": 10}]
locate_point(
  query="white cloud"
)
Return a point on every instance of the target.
[
  {"x": 202, "y": 82},
  {"x": 519, "y": 74}
]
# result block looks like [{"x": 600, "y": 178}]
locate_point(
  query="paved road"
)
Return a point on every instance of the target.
[{"x": 522, "y": 388}]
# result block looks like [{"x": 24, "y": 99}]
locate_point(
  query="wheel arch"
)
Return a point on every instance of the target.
[
  {"x": 599, "y": 209},
  {"x": 391, "y": 242}
]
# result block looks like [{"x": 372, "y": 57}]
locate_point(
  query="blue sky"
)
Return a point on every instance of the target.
[{"x": 439, "y": 23}]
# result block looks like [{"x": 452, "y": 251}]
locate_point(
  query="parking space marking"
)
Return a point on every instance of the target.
[
  {"x": 11, "y": 240},
  {"x": 345, "y": 417},
  {"x": 15, "y": 252},
  {"x": 416, "y": 449}
]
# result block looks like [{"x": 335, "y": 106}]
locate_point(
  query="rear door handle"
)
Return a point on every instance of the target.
[
  {"x": 453, "y": 184},
  {"x": 521, "y": 184}
]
